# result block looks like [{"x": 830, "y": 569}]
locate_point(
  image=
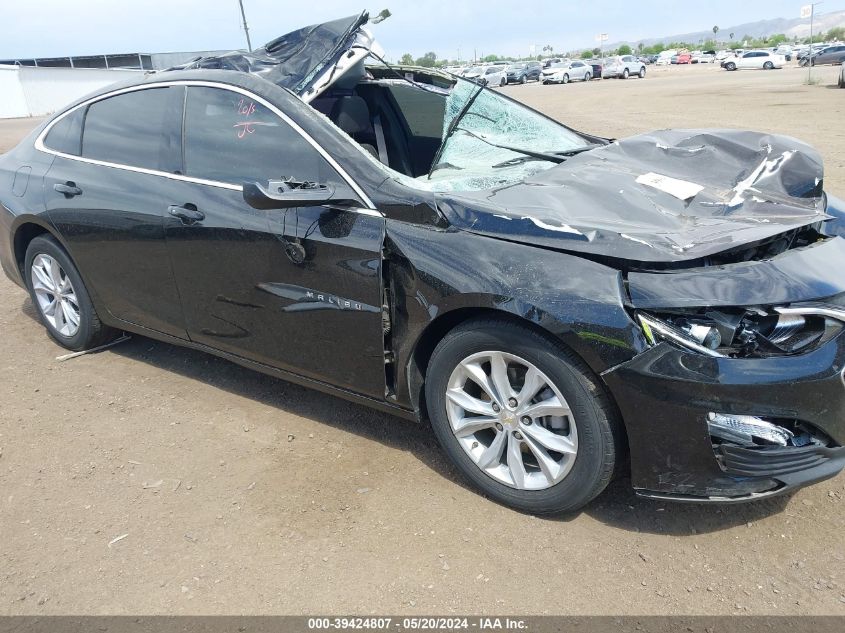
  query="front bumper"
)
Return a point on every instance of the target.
[{"x": 666, "y": 393}]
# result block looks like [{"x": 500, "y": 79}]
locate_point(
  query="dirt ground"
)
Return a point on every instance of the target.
[{"x": 153, "y": 479}]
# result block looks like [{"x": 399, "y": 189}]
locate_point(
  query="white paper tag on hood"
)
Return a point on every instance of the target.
[{"x": 681, "y": 189}]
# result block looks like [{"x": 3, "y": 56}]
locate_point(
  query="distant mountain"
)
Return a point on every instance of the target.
[{"x": 795, "y": 27}]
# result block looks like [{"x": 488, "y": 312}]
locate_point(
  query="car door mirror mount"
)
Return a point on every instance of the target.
[{"x": 288, "y": 193}]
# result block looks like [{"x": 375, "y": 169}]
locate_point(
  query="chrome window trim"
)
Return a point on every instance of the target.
[{"x": 41, "y": 147}]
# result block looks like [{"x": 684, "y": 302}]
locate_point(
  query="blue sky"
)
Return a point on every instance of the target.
[{"x": 74, "y": 27}]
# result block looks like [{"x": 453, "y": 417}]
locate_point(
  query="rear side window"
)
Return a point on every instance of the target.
[
  {"x": 232, "y": 138},
  {"x": 66, "y": 135},
  {"x": 134, "y": 129}
]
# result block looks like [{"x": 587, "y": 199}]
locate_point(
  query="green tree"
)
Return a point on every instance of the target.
[
  {"x": 587, "y": 55},
  {"x": 490, "y": 58},
  {"x": 407, "y": 59},
  {"x": 835, "y": 34},
  {"x": 428, "y": 60},
  {"x": 625, "y": 50}
]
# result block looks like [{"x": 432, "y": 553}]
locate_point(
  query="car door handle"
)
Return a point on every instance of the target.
[
  {"x": 69, "y": 189},
  {"x": 188, "y": 213}
]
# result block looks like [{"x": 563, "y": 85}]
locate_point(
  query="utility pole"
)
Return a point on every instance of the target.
[
  {"x": 246, "y": 28},
  {"x": 809, "y": 11}
]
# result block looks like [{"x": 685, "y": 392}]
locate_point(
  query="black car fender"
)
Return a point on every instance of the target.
[{"x": 437, "y": 278}]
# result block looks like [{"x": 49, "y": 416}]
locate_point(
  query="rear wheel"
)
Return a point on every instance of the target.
[
  {"x": 523, "y": 419},
  {"x": 522, "y": 79},
  {"x": 61, "y": 299},
  {"x": 768, "y": 66},
  {"x": 502, "y": 82},
  {"x": 565, "y": 79},
  {"x": 587, "y": 77},
  {"x": 625, "y": 74},
  {"x": 642, "y": 72}
]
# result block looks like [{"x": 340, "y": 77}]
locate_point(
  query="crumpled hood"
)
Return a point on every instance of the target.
[{"x": 671, "y": 195}]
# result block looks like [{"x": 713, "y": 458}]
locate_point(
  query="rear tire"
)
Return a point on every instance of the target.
[
  {"x": 625, "y": 74},
  {"x": 768, "y": 66},
  {"x": 60, "y": 298},
  {"x": 565, "y": 79},
  {"x": 588, "y": 77},
  {"x": 642, "y": 72},
  {"x": 499, "y": 454},
  {"x": 523, "y": 79}
]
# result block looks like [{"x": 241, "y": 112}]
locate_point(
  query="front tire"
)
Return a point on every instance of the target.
[
  {"x": 565, "y": 79},
  {"x": 625, "y": 74},
  {"x": 642, "y": 72},
  {"x": 768, "y": 66},
  {"x": 730, "y": 67},
  {"x": 522, "y": 418},
  {"x": 588, "y": 77},
  {"x": 60, "y": 298},
  {"x": 522, "y": 79}
]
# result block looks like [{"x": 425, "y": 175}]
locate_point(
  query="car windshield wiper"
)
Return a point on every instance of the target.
[
  {"x": 554, "y": 158},
  {"x": 452, "y": 127},
  {"x": 541, "y": 156}
]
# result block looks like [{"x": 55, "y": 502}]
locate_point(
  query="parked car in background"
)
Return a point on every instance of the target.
[
  {"x": 622, "y": 67},
  {"x": 597, "y": 65},
  {"x": 766, "y": 60},
  {"x": 786, "y": 51},
  {"x": 684, "y": 58},
  {"x": 665, "y": 58},
  {"x": 564, "y": 72},
  {"x": 547, "y": 63},
  {"x": 472, "y": 72},
  {"x": 496, "y": 75},
  {"x": 829, "y": 55},
  {"x": 521, "y": 72}
]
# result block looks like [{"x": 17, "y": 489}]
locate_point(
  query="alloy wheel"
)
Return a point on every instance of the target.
[
  {"x": 55, "y": 295},
  {"x": 511, "y": 420}
]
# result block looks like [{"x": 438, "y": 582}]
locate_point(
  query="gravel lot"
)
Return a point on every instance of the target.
[{"x": 153, "y": 479}]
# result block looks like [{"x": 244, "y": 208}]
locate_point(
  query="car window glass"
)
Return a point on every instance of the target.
[
  {"x": 66, "y": 135},
  {"x": 232, "y": 138},
  {"x": 423, "y": 110},
  {"x": 129, "y": 129}
]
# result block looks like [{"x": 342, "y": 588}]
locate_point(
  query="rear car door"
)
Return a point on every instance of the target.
[
  {"x": 297, "y": 289},
  {"x": 105, "y": 194}
]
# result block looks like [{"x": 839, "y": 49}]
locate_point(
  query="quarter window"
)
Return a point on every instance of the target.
[
  {"x": 133, "y": 129},
  {"x": 66, "y": 135},
  {"x": 231, "y": 138}
]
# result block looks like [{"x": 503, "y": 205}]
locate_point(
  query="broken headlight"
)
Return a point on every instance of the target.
[{"x": 746, "y": 332}]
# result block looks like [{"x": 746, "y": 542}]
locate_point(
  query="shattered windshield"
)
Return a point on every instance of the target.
[{"x": 488, "y": 138}]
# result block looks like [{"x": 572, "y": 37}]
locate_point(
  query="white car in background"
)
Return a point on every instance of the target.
[
  {"x": 564, "y": 72},
  {"x": 488, "y": 75},
  {"x": 765, "y": 60}
]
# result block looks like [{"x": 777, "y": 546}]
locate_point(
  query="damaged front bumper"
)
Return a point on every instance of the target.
[{"x": 667, "y": 396}]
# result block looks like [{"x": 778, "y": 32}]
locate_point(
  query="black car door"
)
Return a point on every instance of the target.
[
  {"x": 105, "y": 194},
  {"x": 297, "y": 289}
]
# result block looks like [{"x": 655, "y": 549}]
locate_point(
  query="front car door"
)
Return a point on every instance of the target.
[{"x": 297, "y": 289}]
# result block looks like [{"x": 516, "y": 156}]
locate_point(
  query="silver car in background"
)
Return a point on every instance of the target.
[
  {"x": 623, "y": 66},
  {"x": 564, "y": 72}
]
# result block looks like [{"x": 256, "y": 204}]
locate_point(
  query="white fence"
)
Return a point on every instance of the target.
[{"x": 29, "y": 91}]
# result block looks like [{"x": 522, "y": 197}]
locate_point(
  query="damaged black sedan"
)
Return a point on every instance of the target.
[{"x": 560, "y": 306}]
